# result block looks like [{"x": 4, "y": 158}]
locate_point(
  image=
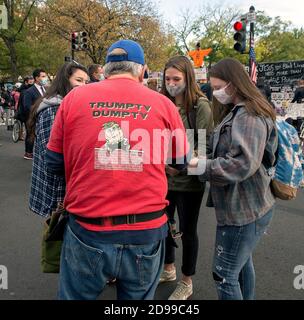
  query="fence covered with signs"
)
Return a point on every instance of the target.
[
  {"x": 295, "y": 110},
  {"x": 282, "y": 78},
  {"x": 200, "y": 74}
]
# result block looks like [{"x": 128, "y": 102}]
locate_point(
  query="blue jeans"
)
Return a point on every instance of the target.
[
  {"x": 86, "y": 267},
  {"x": 233, "y": 269}
]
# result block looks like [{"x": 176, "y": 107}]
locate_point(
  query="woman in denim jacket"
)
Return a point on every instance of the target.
[{"x": 242, "y": 148}]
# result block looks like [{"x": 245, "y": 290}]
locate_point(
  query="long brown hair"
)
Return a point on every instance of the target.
[
  {"x": 232, "y": 71},
  {"x": 192, "y": 92},
  {"x": 219, "y": 112},
  {"x": 60, "y": 86}
]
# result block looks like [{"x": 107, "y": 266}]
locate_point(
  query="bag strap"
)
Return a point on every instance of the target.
[
  {"x": 265, "y": 161},
  {"x": 191, "y": 119}
]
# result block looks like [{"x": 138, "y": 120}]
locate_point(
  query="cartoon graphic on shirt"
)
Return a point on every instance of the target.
[
  {"x": 115, "y": 137},
  {"x": 116, "y": 153}
]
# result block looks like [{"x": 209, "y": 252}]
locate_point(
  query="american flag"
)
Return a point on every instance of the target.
[{"x": 253, "y": 75}]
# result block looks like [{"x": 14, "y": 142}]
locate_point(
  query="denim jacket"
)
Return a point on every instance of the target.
[{"x": 239, "y": 182}]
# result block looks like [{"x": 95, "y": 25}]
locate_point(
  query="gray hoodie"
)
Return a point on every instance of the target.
[{"x": 49, "y": 102}]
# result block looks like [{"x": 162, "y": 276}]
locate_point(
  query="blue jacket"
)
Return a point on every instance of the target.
[{"x": 29, "y": 98}]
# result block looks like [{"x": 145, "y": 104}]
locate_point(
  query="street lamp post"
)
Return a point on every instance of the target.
[{"x": 251, "y": 17}]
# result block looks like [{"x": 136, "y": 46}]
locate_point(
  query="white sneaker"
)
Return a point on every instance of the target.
[
  {"x": 183, "y": 291},
  {"x": 167, "y": 276}
]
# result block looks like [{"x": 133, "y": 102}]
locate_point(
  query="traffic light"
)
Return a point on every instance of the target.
[
  {"x": 75, "y": 41},
  {"x": 240, "y": 36},
  {"x": 83, "y": 40},
  {"x": 79, "y": 41}
]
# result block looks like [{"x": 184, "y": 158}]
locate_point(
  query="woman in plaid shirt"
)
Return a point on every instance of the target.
[
  {"x": 242, "y": 148},
  {"x": 47, "y": 189}
]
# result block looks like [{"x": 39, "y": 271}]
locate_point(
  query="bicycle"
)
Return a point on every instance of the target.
[
  {"x": 15, "y": 125},
  {"x": 18, "y": 132}
]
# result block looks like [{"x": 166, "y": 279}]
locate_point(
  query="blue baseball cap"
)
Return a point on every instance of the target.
[{"x": 134, "y": 52}]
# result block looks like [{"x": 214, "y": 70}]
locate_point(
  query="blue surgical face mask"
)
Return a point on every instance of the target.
[{"x": 43, "y": 82}]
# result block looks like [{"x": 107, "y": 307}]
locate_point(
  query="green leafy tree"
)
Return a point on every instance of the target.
[
  {"x": 18, "y": 15},
  {"x": 104, "y": 22},
  {"x": 277, "y": 40}
]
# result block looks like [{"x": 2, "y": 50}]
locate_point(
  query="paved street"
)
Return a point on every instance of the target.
[{"x": 20, "y": 232}]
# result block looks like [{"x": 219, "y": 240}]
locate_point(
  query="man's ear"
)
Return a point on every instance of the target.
[{"x": 142, "y": 74}]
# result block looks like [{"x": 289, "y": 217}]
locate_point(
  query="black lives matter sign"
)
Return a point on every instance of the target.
[{"x": 281, "y": 73}]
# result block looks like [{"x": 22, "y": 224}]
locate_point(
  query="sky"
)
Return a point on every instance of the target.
[{"x": 292, "y": 10}]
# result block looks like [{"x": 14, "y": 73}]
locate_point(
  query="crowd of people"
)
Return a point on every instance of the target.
[{"x": 130, "y": 200}]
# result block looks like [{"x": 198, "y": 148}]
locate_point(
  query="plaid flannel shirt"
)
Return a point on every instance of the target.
[
  {"x": 239, "y": 182},
  {"x": 47, "y": 189}
]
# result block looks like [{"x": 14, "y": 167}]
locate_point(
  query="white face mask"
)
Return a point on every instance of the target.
[
  {"x": 222, "y": 96},
  {"x": 176, "y": 90}
]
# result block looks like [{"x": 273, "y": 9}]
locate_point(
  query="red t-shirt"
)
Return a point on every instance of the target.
[{"x": 114, "y": 156}]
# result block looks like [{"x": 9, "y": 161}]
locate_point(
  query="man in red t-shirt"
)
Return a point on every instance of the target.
[{"x": 112, "y": 140}]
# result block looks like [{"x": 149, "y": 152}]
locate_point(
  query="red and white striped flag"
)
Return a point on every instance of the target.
[{"x": 253, "y": 66}]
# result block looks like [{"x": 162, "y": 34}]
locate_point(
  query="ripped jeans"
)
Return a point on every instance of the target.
[{"x": 233, "y": 269}]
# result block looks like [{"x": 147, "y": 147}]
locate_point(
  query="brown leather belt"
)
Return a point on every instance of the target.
[{"x": 125, "y": 219}]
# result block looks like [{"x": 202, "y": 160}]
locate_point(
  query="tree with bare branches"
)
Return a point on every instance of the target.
[{"x": 211, "y": 26}]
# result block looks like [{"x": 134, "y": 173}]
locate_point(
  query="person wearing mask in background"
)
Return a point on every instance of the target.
[
  {"x": 30, "y": 96},
  {"x": 47, "y": 190},
  {"x": 242, "y": 151},
  {"x": 27, "y": 83},
  {"x": 95, "y": 73},
  {"x": 185, "y": 192}
]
